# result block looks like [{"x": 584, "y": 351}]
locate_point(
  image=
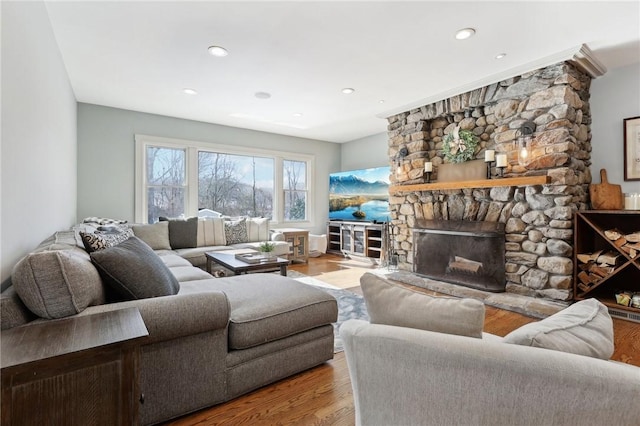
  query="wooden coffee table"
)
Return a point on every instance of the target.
[{"x": 238, "y": 267}]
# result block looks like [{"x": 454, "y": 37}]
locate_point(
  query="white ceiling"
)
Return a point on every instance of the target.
[{"x": 139, "y": 55}]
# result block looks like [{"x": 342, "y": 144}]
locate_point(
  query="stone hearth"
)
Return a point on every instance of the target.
[
  {"x": 530, "y": 306},
  {"x": 538, "y": 219}
]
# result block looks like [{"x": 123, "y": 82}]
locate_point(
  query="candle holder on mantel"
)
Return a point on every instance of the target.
[
  {"x": 489, "y": 165},
  {"x": 501, "y": 164},
  {"x": 489, "y": 159},
  {"x": 428, "y": 169}
]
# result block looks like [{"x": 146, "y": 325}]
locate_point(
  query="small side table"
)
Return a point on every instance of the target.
[
  {"x": 298, "y": 240},
  {"x": 80, "y": 370}
]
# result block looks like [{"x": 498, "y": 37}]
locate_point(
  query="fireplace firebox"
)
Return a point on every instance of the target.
[{"x": 468, "y": 253}]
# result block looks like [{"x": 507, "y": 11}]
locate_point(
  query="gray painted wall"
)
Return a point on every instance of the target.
[
  {"x": 370, "y": 151},
  {"x": 106, "y": 156},
  {"x": 38, "y": 157},
  {"x": 614, "y": 97}
]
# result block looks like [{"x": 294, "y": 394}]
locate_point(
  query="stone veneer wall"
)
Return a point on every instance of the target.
[{"x": 539, "y": 219}]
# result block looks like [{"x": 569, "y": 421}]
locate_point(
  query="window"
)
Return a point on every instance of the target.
[
  {"x": 235, "y": 185},
  {"x": 176, "y": 178},
  {"x": 295, "y": 190},
  {"x": 166, "y": 182}
]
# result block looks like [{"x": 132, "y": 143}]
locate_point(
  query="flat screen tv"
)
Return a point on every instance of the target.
[{"x": 360, "y": 195}]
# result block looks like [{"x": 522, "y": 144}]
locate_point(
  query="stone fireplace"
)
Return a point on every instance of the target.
[{"x": 537, "y": 218}]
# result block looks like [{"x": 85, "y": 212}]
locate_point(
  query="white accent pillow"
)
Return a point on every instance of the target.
[
  {"x": 258, "y": 229},
  {"x": 392, "y": 304},
  {"x": 211, "y": 232},
  {"x": 584, "y": 328}
]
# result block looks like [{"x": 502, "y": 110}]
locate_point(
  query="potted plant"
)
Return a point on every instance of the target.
[{"x": 267, "y": 248}]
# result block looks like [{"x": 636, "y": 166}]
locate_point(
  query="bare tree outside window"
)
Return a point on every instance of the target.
[
  {"x": 295, "y": 190},
  {"x": 166, "y": 182},
  {"x": 235, "y": 185}
]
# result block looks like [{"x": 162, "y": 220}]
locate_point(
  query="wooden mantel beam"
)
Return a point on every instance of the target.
[{"x": 484, "y": 183}]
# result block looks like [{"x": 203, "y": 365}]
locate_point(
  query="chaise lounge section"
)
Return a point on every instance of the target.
[{"x": 211, "y": 341}]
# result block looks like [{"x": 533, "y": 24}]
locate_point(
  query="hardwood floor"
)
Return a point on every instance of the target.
[{"x": 322, "y": 396}]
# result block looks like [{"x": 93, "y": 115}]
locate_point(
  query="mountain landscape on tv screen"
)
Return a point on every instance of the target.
[{"x": 360, "y": 195}]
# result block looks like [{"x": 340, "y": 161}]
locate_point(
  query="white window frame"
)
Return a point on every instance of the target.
[{"x": 192, "y": 149}]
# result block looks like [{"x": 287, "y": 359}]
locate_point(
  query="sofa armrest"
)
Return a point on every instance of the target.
[
  {"x": 277, "y": 236},
  {"x": 170, "y": 317}
]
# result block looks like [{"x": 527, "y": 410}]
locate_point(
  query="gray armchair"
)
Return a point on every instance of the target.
[{"x": 403, "y": 376}]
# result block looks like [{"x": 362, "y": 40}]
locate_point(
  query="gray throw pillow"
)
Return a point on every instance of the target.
[
  {"x": 235, "y": 231},
  {"x": 183, "y": 233},
  {"x": 156, "y": 235},
  {"x": 57, "y": 283},
  {"x": 134, "y": 271},
  {"x": 392, "y": 304},
  {"x": 584, "y": 328}
]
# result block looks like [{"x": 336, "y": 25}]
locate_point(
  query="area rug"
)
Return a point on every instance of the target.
[{"x": 350, "y": 306}]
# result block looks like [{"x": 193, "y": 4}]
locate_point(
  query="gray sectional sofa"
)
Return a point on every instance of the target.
[{"x": 215, "y": 339}]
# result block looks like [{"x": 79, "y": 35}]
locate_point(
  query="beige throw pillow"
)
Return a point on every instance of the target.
[
  {"x": 155, "y": 235},
  {"x": 392, "y": 304},
  {"x": 584, "y": 328},
  {"x": 58, "y": 283}
]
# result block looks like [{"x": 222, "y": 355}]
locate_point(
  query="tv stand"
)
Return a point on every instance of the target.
[{"x": 359, "y": 239}]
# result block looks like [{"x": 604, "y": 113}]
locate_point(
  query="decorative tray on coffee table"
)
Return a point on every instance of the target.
[{"x": 254, "y": 257}]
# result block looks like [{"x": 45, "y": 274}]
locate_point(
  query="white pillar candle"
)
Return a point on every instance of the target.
[
  {"x": 489, "y": 155},
  {"x": 501, "y": 160},
  {"x": 428, "y": 166}
]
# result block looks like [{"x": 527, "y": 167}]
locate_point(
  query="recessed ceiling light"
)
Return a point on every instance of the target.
[
  {"x": 297, "y": 114},
  {"x": 348, "y": 90},
  {"x": 189, "y": 91},
  {"x": 465, "y": 33},
  {"x": 500, "y": 55},
  {"x": 381, "y": 101},
  {"x": 218, "y": 51},
  {"x": 262, "y": 95}
]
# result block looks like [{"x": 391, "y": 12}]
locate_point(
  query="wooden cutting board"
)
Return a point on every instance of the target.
[{"x": 605, "y": 196}]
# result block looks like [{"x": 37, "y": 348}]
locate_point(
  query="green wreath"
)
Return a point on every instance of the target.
[{"x": 460, "y": 149}]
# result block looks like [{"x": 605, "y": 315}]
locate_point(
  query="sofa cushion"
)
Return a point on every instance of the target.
[
  {"x": 189, "y": 273},
  {"x": 268, "y": 307},
  {"x": 100, "y": 240},
  {"x": 236, "y": 231},
  {"x": 134, "y": 271},
  {"x": 211, "y": 232},
  {"x": 58, "y": 283},
  {"x": 257, "y": 229},
  {"x": 584, "y": 328},
  {"x": 155, "y": 235},
  {"x": 171, "y": 260},
  {"x": 183, "y": 233},
  {"x": 395, "y": 305}
]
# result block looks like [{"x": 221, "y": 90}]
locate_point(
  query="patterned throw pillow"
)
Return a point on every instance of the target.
[
  {"x": 236, "y": 231},
  {"x": 101, "y": 240},
  {"x": 103, "y": 221}
]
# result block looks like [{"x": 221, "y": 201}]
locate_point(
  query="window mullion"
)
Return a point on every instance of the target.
[
  {"x": 191, "y": 209},
  {"x": 278, "y": 191}
]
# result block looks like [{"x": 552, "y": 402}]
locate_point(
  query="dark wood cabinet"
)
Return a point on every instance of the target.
[
  {"x": 589, "y": 237},
  {"x": 73, "y": 371}
]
